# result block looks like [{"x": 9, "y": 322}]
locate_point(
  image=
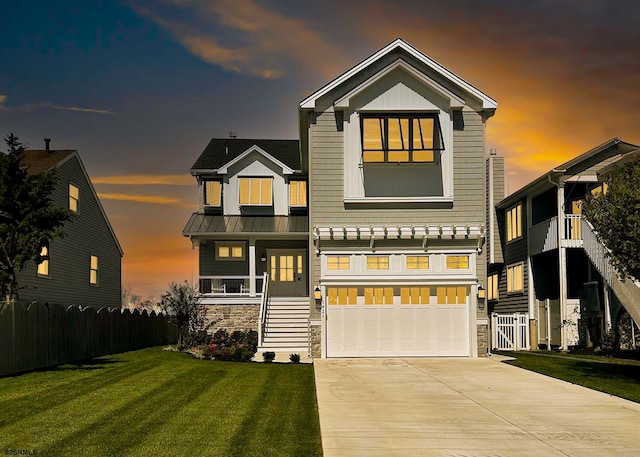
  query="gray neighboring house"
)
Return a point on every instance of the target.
[
  {"x": 84, "y": 267},
  {"x": 545, "y": 265},
  {"x": 385, "y": 256}
]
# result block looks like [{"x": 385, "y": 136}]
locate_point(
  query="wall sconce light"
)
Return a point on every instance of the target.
[
  {"x": 263, "y": 257},
  {"x": 317, "y": 296},
  {"x": 482, "y": 295}
]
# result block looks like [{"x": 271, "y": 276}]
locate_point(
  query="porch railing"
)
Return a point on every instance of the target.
[
  {"x": 263, "y": 308},
  {"x": 543, "y": 236},
  {"x": 231, "y": 286}
]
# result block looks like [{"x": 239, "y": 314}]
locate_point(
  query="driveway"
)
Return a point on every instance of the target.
[{"x": 465, "y": 407}]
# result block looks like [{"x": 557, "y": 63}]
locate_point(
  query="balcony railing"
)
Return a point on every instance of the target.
[{"x": 543, "y": 237}]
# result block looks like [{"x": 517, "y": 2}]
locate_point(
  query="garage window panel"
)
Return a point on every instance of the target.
[
  {"x": 342, "y": 296},
  {"x": 415, "y": 295},
  {"x": 378, "y": 295},
  {"x": 451, "y": 295}
]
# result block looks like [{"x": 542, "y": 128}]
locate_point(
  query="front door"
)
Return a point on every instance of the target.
[{"x": 287, "y": 272}]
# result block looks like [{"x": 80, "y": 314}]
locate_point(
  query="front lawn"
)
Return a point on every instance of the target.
[
  {"x": 617, "y": 377},
  {"x": 156, "y": 403}
]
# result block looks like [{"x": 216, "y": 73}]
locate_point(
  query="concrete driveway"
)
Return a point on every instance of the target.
[{"x": 465, "y": 407}]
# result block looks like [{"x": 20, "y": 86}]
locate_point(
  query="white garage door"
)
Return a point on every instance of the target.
[{"x": 397, "y": 321}]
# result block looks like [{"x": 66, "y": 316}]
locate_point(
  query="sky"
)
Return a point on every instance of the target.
[{"x": 140, "y": 87}]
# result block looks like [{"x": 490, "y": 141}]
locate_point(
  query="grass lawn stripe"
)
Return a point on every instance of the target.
[{"x": 157, "y": 403}]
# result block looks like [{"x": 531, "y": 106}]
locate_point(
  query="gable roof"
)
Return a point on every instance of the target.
[
  {"x": 583, "y": 165},
  {"x": 220, "y": 151},
  {"x": 39, "y": 161},
  {"x": 399, "y": 44}
]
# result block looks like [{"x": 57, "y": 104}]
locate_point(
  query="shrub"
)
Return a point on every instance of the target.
[
  {"x": 294, "y": 358},
  {"x": 239, "y": 346},
  {"x": 268, "y": 356}
]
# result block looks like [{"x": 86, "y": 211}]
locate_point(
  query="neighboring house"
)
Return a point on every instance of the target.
[
  {"x": 83, "y": 267},
  {"x": 389, "y": 260},
  {"x": 544, "y": 261}
]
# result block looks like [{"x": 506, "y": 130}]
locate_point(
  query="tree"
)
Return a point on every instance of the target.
[
  {"x": 182, "y": 304},
  {"x": 28, "y": 218},
  {"x": 615, "y": 216}
]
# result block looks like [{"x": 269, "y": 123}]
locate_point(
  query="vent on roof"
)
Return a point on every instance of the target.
[{"x": 46, "y": 144}]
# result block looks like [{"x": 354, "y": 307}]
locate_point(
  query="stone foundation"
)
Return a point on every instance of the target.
[
  {"x": 233, "y": 317},
  {"x": 483, "y": 340}
]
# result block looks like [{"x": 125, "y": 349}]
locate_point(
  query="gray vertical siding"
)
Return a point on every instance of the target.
[{"x": 86, "y": 235}]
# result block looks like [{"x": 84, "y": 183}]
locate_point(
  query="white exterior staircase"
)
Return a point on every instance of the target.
[{"x": 286, "y": 326}]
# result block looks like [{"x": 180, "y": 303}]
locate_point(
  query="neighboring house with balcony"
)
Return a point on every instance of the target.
[
  {"x": 545, "y": 264},
  {"x": 366, "y": 237},
  {"x": 84, "y": 267}
]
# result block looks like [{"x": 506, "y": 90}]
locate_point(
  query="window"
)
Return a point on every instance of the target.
[
  {"x": 93, "y": 272},
  {"x": 492, "y": 287},
  {"x": 43, "y": 266},
  {"x": 457, "y": 262},
  {"x": 298, "y": 193},
  {"x": 451, "y": 295},
  {"x": 514, "y": 222},
  {"x": 337, "y": 262},
  {"x": 212, "y": 193},
  {"x": 229, "y": 251},
  {"x": 74, "y": 197},
  {"x": 342, "y": 295},
  {"x": 415, "y": 295},
  {"x": 515, "y": 278},
  {"x": 417, "y": 262},
  {"x": 377, "y": 262},
  {"x": 255, "y": 191},
  {"x": 378, "y": 295},
  {"x": 400, "y": 138}
]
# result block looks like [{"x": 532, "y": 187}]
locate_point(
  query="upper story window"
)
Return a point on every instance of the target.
[
  {"x": 417, "y": 262},
  {"x": 514, "y": 222},
  {"x": 93, "y": 271},
  {"x": 255, "y": 191},
  {"x": 377, "y": 262},
  {"x": 298, "y": 194},
  {"x": 492, "y": 287},
  {"x": 74, "y": 197},
  {"x": 230, "y": 251},
  {"x": 457, "y": 262},
  {"x": 515, "y": 278},
  {"x": 43, "y": 266},
  {"x": 338, "y": 262},
  {"x": 212, "y": 193},
  {"x": 400, "y": 138}
]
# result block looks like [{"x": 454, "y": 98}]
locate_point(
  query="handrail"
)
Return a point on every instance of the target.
[{"x": 263, "y": 307}]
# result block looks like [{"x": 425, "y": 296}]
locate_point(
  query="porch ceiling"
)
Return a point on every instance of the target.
[{"x": 208, "y": 224}]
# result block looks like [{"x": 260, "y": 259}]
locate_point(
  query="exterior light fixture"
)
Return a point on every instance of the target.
[
  {"x": 263, "y": 257},
  {"x": 482, "y": 295},
  {"x": 317, "y": 296}
]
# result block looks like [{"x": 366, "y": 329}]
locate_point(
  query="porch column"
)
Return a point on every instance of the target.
[
  {"x": 252, "y": 267},
  {"x": 562, "y": 266},
  {"x": 607, "y": 307}
]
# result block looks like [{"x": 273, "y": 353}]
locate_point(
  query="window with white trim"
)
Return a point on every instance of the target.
[
  {"x": 514, "y": 222},
  {"x": 417, "y": 262},
  {"x": 393, "y": 138},
  {"x": 457, "y": 262},
  {"x": 377, "y": 262},
  {"x": 255, "y": 191},
  {"x": 338, "y": 262},
  {"x": 298, "y": 194},
  {"x": 230, "y": 251},
  {"x": 515, "y": 278}
]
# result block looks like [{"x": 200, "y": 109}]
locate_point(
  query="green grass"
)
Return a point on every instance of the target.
[
  {"x": 617, "y": 377},
  {"x": 156, "y": 403}
]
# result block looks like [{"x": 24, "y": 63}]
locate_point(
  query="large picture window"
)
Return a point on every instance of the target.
[
  {"x": 255, "y": 191},
  {"x": 400, "y": 138},
  {"x": 514, "y": 222}
]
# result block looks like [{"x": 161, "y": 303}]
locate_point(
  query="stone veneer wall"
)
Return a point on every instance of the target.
[
  {"x": 483, "y": 340},
  {"x": 316, "y": 336},
  {"x": 233, "y": 317}
]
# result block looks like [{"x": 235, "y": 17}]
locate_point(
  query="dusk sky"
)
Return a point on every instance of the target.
[{"x": 139, "y": 87}]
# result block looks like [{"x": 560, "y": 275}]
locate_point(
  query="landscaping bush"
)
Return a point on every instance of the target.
[
  {"x": 239, "y": 346},
  {"x": 268, "y": 356},
  {"x": 294, "y": 358}
]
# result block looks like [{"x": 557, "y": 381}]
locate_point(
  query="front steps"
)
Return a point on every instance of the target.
[{"x": 286, "y": 328}]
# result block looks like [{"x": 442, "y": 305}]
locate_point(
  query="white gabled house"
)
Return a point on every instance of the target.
[{"x": 366, "y": 237}]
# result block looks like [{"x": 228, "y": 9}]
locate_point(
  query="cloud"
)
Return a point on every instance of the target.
[
  {"x": 166, "y": 180},
  {"x": 48, "y": 105},
  {"x": 247, "y": 37},
  {"x": 153, "y": 199},
  {"x": 3, "y": 98}
]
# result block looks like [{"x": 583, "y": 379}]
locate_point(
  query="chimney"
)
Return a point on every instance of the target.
[
  {"x": 46, "y": 144},
  {"x": 233, "y": 135}
]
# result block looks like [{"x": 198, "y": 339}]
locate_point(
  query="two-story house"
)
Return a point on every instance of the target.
[
  {"x": 545, "y": 263},
  {"x": 386, "y": 249},
  {"x": 84, "y": 267}
]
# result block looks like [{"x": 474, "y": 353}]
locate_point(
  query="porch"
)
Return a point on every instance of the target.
[
  {"x": 233, "y": 289},
  {"x": 544, "y": 236}
]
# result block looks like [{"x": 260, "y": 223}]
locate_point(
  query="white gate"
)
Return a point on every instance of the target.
[{"x": 510, "y": 332}]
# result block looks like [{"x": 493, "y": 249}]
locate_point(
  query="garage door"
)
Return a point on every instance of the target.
[{"x": 397, "y": 321}]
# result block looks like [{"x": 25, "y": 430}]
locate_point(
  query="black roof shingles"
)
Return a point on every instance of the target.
[{"x": 221, "y": 151}]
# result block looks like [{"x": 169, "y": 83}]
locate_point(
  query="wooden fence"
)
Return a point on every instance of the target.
[{"x": 42, "y": 335}]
